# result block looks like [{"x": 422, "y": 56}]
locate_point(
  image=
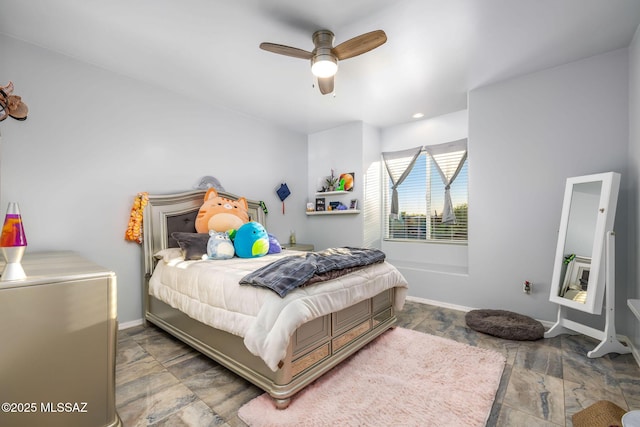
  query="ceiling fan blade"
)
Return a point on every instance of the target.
[
  {"x": 360, "y": 44},
  {"x": 325, "y": 84},
  {"x": 286, "y": 50}
]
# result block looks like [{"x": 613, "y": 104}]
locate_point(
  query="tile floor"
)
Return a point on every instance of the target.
[{"x": 162, "y": 382}]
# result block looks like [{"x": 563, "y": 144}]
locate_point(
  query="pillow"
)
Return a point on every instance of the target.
[
  {"x": 169, "y": 254},
  {"x": 193, "y": 245}
]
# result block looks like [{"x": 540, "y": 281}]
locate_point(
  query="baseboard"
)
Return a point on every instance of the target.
[
  {"x": 130, "y": 324},
  {"x": 634, "y": 350},
  {"x": 439, "y": 304},
  {"x": 547, "y": 324}
]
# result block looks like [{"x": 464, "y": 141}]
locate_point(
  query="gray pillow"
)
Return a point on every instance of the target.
[{"x": 193, "y": 245}]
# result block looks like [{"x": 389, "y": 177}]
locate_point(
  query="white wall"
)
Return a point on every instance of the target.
[
  {"x": 353, "y": 147},
  {"x": 340, "y": 149},
  {"x": 431, "y": 269},
  {"x": 437, "y": 130},
  {"x": 633, "y": 289},
  {"x": 526, "y": 136},
  {"x": 372, "y": 196},
  {"x": 93, "y": 139}
]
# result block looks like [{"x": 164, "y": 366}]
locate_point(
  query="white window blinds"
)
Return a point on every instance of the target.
[{"x": 432, "y": 199}]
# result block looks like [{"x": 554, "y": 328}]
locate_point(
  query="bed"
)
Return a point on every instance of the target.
[{"x": 337, "y": 317}]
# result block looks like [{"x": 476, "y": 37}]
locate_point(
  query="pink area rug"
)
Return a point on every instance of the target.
[{"x": 402, "y": 378}]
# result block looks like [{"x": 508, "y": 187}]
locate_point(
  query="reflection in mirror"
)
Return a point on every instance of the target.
[
  {"x": 576, "y": 278},
  {"x": 578, "y": 245}
]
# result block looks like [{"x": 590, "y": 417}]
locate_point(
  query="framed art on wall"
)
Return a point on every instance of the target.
[{"x": 346, "y": 181}]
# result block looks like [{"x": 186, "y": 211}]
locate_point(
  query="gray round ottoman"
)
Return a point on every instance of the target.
[{"x": 505, "y": 324}]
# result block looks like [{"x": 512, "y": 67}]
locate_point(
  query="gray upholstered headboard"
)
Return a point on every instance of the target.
[
  {"x": 183, "y": 222},
  {"x": 166, "y": 213}
]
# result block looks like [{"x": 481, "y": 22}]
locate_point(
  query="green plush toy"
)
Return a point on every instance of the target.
[{"x": 251, "y": 240}]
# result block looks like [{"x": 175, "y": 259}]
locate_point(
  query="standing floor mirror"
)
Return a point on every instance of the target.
[{"x": 584, "y": 263}]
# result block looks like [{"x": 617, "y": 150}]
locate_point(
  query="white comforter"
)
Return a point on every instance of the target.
[{"x": 209, "y": 291}]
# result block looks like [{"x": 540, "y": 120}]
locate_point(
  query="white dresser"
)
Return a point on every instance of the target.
[{"x": 58, "y": 343}]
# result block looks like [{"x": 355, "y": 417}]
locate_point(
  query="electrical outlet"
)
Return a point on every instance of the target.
[{"x": 526, "y": 287}]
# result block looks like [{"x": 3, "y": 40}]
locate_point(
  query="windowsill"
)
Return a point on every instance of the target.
[{"x": 458, "y": 270}]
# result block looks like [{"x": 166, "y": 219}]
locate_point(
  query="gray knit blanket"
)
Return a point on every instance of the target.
[{"x": 294, "y": 271}]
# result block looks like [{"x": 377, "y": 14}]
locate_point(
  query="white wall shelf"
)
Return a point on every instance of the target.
[
  {"x": 336, "y": 212},
  {"x": 333, "y": 193}
]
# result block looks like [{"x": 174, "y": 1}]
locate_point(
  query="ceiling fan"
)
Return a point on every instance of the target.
[{"x": 324, "y": 58}]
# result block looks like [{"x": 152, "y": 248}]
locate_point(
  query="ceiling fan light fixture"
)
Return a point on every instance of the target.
[
  {"x": 324, "y": 65},
  {"x": 324, "y": 57}
]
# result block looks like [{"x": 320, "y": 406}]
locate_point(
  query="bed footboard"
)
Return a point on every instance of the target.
[{"x": 315, "y": 347}]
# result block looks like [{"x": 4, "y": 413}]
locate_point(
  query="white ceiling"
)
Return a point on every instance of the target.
[{"x": 437, "y": 50}]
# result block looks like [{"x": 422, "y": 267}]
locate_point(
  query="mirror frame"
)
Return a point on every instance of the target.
[{"x": 604, "y": 223}]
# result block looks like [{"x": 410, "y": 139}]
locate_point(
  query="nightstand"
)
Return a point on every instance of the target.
[
  {"x": 58, "y": 332},
  {"x": 298, "y": 247}
]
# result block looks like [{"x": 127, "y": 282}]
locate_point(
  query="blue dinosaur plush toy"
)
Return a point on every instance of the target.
[
  {"x": 251, "y": 240},
  {"x": 219, "y": 245}
]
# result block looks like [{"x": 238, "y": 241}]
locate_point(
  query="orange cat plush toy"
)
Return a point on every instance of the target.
[{"x": 221, "y": 214}]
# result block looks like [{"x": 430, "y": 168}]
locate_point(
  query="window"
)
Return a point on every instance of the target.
[{"x": 421, "y": 196}]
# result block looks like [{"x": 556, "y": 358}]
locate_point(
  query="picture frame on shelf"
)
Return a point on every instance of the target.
[
  {"x": 353, "y": 204},
  {"x": 320, "y": 206}
]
